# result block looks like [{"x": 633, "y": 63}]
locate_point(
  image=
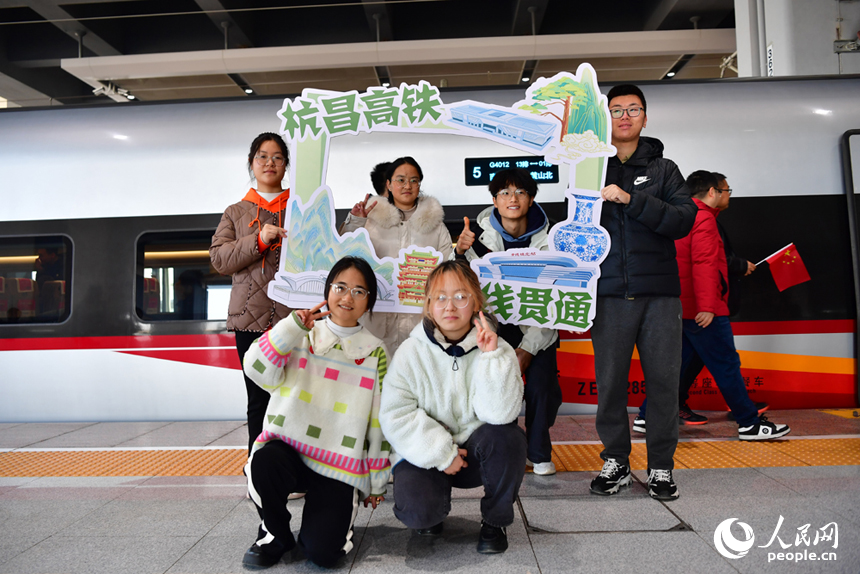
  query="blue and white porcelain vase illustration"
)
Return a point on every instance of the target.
[{"x": 581, "y": 236}]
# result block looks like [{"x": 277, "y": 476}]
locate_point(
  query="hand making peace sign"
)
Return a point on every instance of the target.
[
  {"x": 360, "y": 209},
  {"x": 487, "y": 338},
  {"x": 309, "y": 316}
]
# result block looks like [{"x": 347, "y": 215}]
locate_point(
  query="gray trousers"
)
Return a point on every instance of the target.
[
  {"x": 653, "y": 325},
  {"x": 496, "y": 455}
]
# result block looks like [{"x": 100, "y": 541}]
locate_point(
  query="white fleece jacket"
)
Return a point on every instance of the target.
[{"x": 428, "y": 408}]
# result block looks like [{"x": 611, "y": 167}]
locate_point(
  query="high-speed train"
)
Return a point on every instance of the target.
[{"x": 110, "y": 310}]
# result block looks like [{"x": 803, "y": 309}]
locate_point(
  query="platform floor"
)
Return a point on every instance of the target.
[{"x": 169, "y": 497}]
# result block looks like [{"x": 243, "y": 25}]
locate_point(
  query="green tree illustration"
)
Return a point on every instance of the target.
[{"x": 581, "y": 106}]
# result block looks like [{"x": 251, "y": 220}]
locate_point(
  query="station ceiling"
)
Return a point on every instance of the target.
[{"x": 55, "y": 52}]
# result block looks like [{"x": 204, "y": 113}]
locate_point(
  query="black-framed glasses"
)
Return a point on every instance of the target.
[
  {"x": 618, "y": 113},
  {"x": 506, "y": 194},
  {"x": 358, "y": 293},
  {"x": 278, "y": 160},
  {"x": 460, "y": 300},
  {"x": 727, "y": 190}
]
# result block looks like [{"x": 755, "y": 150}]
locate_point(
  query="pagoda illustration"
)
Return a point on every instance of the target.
[{"x": 413, "y": 277}]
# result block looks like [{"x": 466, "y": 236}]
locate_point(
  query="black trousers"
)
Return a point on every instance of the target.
[
  {"x": 330, "y": 508},
  {"x": 542, "y": 394},
  {"x": 258, "y": 399},
  {"x": 653, "y": 325},
  {"x": 496, "y": 455}
]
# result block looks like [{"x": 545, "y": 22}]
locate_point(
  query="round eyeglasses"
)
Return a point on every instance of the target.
[
  {"x": 278, "y": 160},
  {"x": 460, "y": 300},
  {"x": 358, "y": 293},
  {"x": 618, "y": 113},
  {"x": 403, "y": 182}
]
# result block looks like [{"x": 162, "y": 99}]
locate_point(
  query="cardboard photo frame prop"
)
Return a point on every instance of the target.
[{"x": 565, "y": 118}]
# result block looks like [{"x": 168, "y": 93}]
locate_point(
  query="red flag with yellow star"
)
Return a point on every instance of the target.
[{"x": 787, "y": 267}]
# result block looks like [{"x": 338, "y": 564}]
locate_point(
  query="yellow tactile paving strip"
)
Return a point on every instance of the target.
[
  {"x": 567, "y": 457},
  {"x": 222, "y": 462},
  {"x": 844, "y": 413},
  {"x": 723, "y": 454}
]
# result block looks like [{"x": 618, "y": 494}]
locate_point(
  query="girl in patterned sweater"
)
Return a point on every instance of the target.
[{"x": 321, "y": 432}]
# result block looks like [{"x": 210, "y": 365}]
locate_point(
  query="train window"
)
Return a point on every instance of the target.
[
  {"x": 35, "y": 279},
  {"x": 176, "y": 280}
]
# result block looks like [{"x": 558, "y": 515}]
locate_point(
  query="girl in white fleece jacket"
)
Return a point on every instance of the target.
[{"x": 449, "y": 409}]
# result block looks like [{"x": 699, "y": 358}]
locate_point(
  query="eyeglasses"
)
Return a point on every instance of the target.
[
  {"x": 460, "y": 300},
  {"x": 505, "y": 194},
  {"x": 402, "y": 181},
  {"x": 727, "y": 190},
  {"x": 618, "y": 113},
  {"x": 278, "y": 160},
  {"x": 358, "y": 293}
]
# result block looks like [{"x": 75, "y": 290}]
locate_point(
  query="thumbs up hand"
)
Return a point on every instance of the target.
[{"x": 466, "y": 239}]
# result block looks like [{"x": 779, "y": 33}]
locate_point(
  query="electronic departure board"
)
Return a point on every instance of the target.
[{"x": 480, "y": 170}]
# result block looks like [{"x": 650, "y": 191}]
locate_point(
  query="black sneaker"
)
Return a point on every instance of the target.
[
  {"x": 639, "y": 425},
  {"x": 611, "y": 478},
  {"x": 259, "y": 558},
  {"x": 760, "y": 407},
  {"x": 764, "y": 430},
  {"x": 686, "y": 416},
  {"x": 661, "y": 486},
  {"x": 493, "y": 540},
  {"x": 430, "y": 532}
]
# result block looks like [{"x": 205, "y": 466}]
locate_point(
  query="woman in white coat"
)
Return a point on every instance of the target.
[
  {"x": 406, "y": 217},
  {"x": 449, "y": 411}
]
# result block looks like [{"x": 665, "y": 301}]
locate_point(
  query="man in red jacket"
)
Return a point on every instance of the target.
[{"x": 704, "y": 296}]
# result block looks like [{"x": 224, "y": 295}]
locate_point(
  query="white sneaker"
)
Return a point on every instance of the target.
[
  {"x": 764, "y": 430},
  {"x": 542, "y": 468}
]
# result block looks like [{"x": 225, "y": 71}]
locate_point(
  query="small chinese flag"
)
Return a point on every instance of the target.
[{"x": 787, "y": 267}]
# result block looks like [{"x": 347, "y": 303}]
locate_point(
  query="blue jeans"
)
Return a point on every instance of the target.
[{"x": 715, "y": 344}]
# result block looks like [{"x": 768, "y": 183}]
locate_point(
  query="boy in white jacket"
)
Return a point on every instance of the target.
[
  {"x": 449, "y": 409},
  {"x": 516, "y": 221}
]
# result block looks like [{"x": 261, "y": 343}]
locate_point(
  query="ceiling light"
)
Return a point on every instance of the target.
[
  {"x": 249, "y": 91},
  {"x": 670, "y": 75},
  {"x": 385, "y": 84},
  {"x": 129, "y": 96},
  {"x": 823, "y": 112},
  {"x": 120, "y": 137},
  {"x": 526, "y": 79}
]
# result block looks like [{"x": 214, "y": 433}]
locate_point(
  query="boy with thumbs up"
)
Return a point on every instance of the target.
[{"x": 515, "y": 221}]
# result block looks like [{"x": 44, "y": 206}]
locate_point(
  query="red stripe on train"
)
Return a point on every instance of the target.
[
  {"x": 228, "y": 339},
  {"x": 765, "y": 328},
  {"x": 132, "y": 342},
  {"x": 223, "y": 358}
]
